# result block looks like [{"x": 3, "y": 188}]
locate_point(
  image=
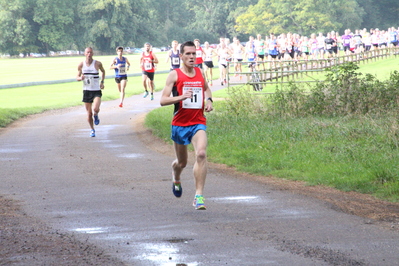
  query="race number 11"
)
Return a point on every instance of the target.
[{"x": 196, "y": 101}]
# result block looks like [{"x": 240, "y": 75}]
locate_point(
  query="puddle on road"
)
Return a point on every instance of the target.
[
  {"x": 102, "y": 132},
  {"x": 103, "y": 140},
  {"x": 130, "y": 155},
  {"x": 12, "y": 150},
  {"x": 163, "y": 254},
  {"x": 244, "y": 199},
  {"x": 91, "y": 230},
  {"x": 114, "y": 146},
  {"x": 293, "y": 213},
  {"x": 8, "y": 159}
]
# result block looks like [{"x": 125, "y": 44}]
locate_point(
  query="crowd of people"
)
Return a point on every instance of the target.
[{"x": 286, "y": 46}]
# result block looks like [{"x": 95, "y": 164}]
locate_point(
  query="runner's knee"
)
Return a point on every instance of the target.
[{"x": 201, "y": 155}]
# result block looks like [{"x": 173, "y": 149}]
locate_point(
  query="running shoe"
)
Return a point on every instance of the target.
[
  {"x": 96, "y": 120},
  {"x": 145, "y": 94},
  {"x": 93, "y": 133},
  {"x": 199, "y": 202},
  {"x": 177, "y": 189},
  {"x": 152, "y": 97},
  {"x": 121, "y": 105}
]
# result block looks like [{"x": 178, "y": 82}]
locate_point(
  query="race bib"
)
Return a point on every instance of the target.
[
  {"x": 199, "y": 53},
  {"x": 328, "y": 46},
  {"x": 122, "y": 70},
  {"x": 175, "y": 60},
  {"x": 196, "y": 101},
  {"x": 223, "y": 60},
  {"x": 88, "y": 80},
  {"x": 147, "y": 66}
]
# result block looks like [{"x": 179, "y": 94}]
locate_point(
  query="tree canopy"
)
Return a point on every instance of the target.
[
  {"x": 300, "y": 16},
  {"x": 45, "y": 25}
]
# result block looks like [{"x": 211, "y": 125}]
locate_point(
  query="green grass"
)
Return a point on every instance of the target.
[
  {"x": 14, "y": 71},
  {"x": 21, "y": 70},
  {"x": 382, "y": 68}
]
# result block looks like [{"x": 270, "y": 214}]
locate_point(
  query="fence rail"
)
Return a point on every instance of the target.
[{"x": 284, "y": 71}]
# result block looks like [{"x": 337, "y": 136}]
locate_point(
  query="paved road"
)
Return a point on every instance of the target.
[{"x": 115, "y": 193}]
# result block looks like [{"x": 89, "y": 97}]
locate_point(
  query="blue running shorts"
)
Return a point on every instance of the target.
[{"x": 184, "y": 135}]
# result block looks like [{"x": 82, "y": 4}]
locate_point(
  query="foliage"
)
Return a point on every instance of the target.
[
  {"x": 344, "y": 92},
  {"x": 16, "y": 26},
  {"x": 379, "y": 14},
  {"x": 55, "y": 18},
  {"x": 303, "y": 16},
  {"x": 53, "y": 25},
  {"x": 210, "y": 13}
]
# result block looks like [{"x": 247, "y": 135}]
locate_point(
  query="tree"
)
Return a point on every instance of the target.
[
  {"x": 17, "y": 28},
  {"x": 109, "y": 23},
  {"x": 300, "y": 16},
  {"x": 55, "y": 18},
  {"x": 213, "y": 16},
  {"x": 169, "y": 19},
  {"x": 379, "y": 14}
]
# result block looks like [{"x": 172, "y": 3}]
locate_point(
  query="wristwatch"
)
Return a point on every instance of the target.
[{"x": 209, "y": 99}]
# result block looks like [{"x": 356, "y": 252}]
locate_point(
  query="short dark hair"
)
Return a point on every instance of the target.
[
  {"x": 188, "y": 43},
  {"x": 119, "y": 48}
]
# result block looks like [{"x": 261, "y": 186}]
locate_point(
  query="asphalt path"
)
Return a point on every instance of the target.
[{"x": 114, "y": 192}]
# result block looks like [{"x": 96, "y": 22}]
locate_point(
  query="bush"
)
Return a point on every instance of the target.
[{"x": 344, "y": 92}]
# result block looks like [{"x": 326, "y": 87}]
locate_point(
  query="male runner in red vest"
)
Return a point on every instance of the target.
[
  {"x": 188, "y": 90},
  {"x": 147, "y": 61}
]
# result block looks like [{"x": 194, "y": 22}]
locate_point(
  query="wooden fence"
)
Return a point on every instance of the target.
[{"x": 284, "y": 71}]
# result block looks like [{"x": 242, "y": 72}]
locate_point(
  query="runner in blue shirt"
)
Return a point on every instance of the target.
[{"x": 121, "y": 65}]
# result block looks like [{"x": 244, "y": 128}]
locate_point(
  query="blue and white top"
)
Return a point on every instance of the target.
[
  {"x": 393, "y": 36},
  {"x": 121, "y": 71},
  {"x": 251, "y": 52}
]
